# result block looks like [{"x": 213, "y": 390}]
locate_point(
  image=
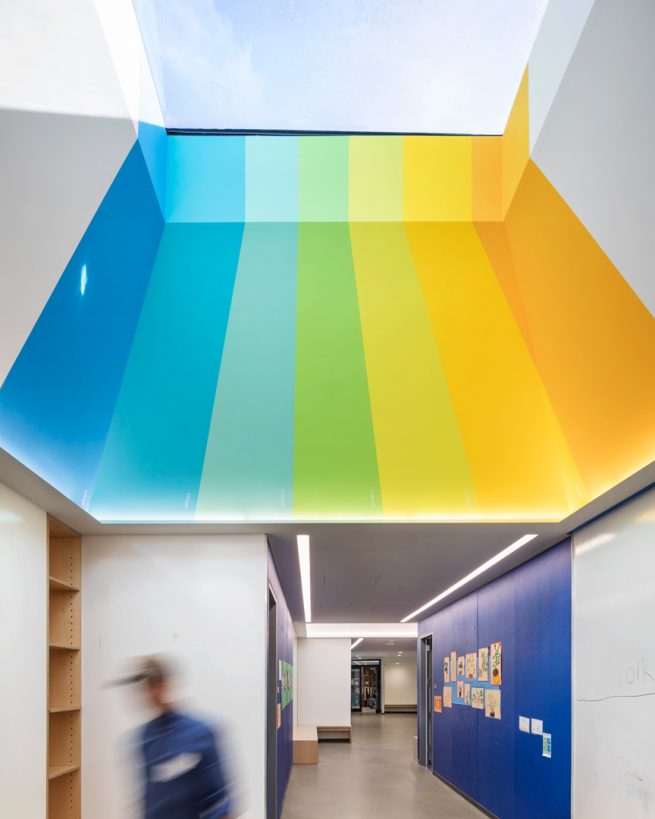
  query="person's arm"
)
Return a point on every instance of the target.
[{"x": 214, "y": 796}]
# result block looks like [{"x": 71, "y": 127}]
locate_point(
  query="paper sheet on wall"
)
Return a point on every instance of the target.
[
  {"x": 460, "y": 666},
  {"x": 537, "y": 726},
  {"x": 492, "y": 703},
  {"x": 437, "y": 705},
  {"x": 453, "y": 666},
  {"x": 460, "y": 689},
  {"x": 447, "y": 696},
  {"x": 547, "y": 745},
  {"x": 496, "y": 663},
  {"x": 524, "y": 724},
  {"x": 483, "y": 664},
  {"x": 446, "y": 669},
  {"x": 471, "y": 666},
  {"x": 467, "y": 693},
  {"x": 477, "y": 698}
]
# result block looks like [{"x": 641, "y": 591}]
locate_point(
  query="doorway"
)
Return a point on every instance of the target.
[
  {"x": 366, "y": 686},
  {"x": 272, "y": 696},
  {"x": 425, "y": 706}
]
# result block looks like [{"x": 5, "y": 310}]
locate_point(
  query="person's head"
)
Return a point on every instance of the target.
[{"x": 157, "y": 677}]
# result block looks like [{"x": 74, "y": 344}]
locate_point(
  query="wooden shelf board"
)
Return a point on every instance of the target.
[
  {"x": 55, "y": 771},
  {"x": 61, "y": 585},
  {"x": 61, "y": 647},
  {"x": 62, "y": 709}
]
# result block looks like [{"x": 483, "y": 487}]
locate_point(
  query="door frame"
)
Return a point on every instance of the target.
[
  {"x": 272, "y": 695},
  {"x": 426, "y": 724}
]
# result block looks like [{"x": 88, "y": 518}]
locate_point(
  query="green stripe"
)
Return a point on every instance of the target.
[{"x": 335, "y": 468}]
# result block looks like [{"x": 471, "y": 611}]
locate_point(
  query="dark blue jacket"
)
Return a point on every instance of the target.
[{"x": 183, "y": 773}]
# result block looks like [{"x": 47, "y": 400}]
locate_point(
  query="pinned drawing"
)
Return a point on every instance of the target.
[
  {"x": 483, "y": 664},
  {"x": 470, "y": 666},
  {"x": 496, "y": 662},
  {"x": 492, "y": 703},
  {"x": 460, "y": 666},
  {"x": 446, "y": 669},
  {"x": 447, "y": 696},
  {"x": 437, "y": 705},
  {"x": 453, "y": 666},
  {"x": 460, "y": 689},
  {"x": 477, "y": 698},
  {"x": 467, "y": 693}
]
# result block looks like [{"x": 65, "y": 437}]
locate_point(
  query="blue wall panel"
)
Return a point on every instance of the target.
[
  {"x": 57, "y": 402},
  {"x": 501, "y": 768}
]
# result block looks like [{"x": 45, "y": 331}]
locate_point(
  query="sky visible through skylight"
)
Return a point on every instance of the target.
[{"x": 400, "y": 66}]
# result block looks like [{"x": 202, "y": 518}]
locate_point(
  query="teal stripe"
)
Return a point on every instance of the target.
[
  {"x": 248, "y": 467},
  {"x": 205, "y": 179},
  {"x": 272, "y": 179},
  {"x": 151, "y": 466}
]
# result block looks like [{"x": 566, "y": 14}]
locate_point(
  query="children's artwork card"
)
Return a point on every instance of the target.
[
  {"x": 467, "y": 693},
  {"x": 483, "y": 664},
  {"x": 471, "y": 666},
  {"x": 437, "y": 705},
  {"x": 460, "y": 666},
  {"x": 477, "y": 698},
  {"x": 492, "y": 703},
  {"x": 447, "y": 696},
  {"x": 460, "y": 689},
  {"x": 446, "y": 669},
  {"x": 453, "y": 666},
  {"x": 496, "y": 663}
]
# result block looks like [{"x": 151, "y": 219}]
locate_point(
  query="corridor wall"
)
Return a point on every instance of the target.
[
  {"x": 490, "y": 760},
  {"x": 323, "y": 696},
  {"x": 23, "y": 656},
  {"x": 200, "y": 599},
  {"x": 614, "y": 663}
]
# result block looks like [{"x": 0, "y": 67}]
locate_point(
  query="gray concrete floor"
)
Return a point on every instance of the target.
[{"x": 373, "y": 777}]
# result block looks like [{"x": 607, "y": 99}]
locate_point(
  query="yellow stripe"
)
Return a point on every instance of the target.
[
  {"x": 438, "y": 178},
  {"x": 519, "y": 458},
  {"x": 421, "y": 460}
]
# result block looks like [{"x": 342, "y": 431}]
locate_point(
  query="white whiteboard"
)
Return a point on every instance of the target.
[{"x": 614, "y": 664}]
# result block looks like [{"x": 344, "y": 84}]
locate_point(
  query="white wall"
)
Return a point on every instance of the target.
[
  {"x": 595, "y": 144},
  {"x": 614, "y": 663},
  {"x": 323, "y": 693},
  {"x": 74, "y": 83},
  {"x": 399, "y": 683},
  {"x": 200, "y": 599},
  {"x": 23, "y": 657}
]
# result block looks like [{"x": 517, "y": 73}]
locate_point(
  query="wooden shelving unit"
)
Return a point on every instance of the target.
[{"x": 64, "y": 672}]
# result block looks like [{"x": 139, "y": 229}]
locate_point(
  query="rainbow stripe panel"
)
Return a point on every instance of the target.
[{"x": 336, "y": 328}]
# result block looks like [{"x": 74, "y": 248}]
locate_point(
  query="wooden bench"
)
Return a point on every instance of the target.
[
  {"x": 334, "y": 733},
  {"x": 305, "y": 745},
  {"x": 399, "y": 709}
]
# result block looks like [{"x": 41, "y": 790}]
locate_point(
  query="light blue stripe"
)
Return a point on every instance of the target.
[
  {"x": 248, "y": 468},
  {"x": 272, "y": 179},
  {"x": 152, "y": 462},
  {"x": 205, "y": 179}
]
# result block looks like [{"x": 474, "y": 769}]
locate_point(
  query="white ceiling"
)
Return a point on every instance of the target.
[
  {"x": 427, "y": 66},
  {"x": 365, "y": 573}
]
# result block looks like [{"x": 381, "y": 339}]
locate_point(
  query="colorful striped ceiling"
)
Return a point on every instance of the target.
[{"x": 336, "y": 328}]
